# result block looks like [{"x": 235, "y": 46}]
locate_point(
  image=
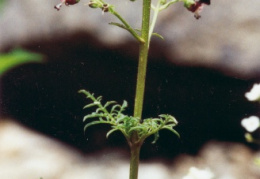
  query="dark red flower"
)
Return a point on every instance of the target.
[
  {"x": 71, "y": 2},
  {"x": 66, "y": 2},
  {"x": 197, "y": 7}
]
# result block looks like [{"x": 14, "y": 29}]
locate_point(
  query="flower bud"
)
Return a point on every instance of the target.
[
  {"x": 94, "y": 4},
  {"x": 71, "y": 2},
  {"x": 105, "y": 8},
  {"x": 196, "y": 6},
  {"x": 66, "y": 2}
]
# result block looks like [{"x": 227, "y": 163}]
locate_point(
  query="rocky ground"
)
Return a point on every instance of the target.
[{"x": 28, "y": 154}]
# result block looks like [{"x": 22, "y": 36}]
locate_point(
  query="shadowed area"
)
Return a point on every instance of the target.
[{"x": 207, "y": 104}]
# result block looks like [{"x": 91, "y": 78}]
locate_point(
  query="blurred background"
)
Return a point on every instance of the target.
[{"x": 199, "y": 74}]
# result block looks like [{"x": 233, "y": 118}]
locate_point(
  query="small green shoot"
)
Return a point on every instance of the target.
[{"x": 111, "y": 113}]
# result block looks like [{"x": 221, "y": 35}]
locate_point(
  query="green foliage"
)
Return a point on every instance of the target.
[
  {"x": 112, "y": 113},
  {"x": 17, "y": 57}
]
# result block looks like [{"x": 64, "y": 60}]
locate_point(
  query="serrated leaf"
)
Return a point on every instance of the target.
[
  {"x": 113, "y": 109},
  {"x": 94, "y": 123},
  {"x": 92, "y": 115},
  {"x": 172, "y": 130},
  {"x": 156, "y": 137},
  {"x": 121, "y": 119},
  {"x": 109, "y": 103},
  {"x": 136, "y": 128},
  {"x": 173, "y": 119},
  {"x": 111, "y": 131},
  {"x": 98, "y": 99},
  {"x": 163, "y": 116},
  {"x": 125, "y": 104},
  {"x": 100, "y": 109},
  {"x": 84, "y": 92},
  {"x": 89, "y": 105}
]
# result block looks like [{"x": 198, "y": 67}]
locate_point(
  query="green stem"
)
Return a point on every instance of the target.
[
  {"x": 127, "y": 26},
  {"x": 134, "y": 161},
  {"x": 142, "y": 63},
  {"x": 155, "y": 15},
  {"x": 140, "y": 86}
]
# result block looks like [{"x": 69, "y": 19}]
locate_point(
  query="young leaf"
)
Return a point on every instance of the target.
[
  {"x": 158, "y": 35},
  {"x": 109, "y": 103},
  {"x": 118, "y": 25},
  {"x": 94, "y": 123},
  {"x": 89, "y": 105},
  {"x": 156, "y": 137},
  {"x": 111, "y": 131},
  {"x": 172, "y": 130},
  {"x": 93, "y": 115}
]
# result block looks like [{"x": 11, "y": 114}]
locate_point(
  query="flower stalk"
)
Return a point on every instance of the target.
[
  {"x": 134, "y": 161},
  {"x": 126, "y": 26},
  {"x": 155, "y": 15},
  {"x": 143, "y": 57}
]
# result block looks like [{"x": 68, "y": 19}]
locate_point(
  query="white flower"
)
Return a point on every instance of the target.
[
  {"x": 251, "y": 123},
  {"x": 254, "y": 93},
  {"x": 195, "y": 173}
]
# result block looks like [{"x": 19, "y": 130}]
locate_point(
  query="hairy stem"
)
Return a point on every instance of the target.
[
  {"x": 140, "y": 86},
  {"x": 134, "y": 161},
  {"x": 142, "y": 63}
]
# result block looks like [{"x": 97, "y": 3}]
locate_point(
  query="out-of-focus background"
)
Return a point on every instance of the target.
[{"x": 199, "y": 73}]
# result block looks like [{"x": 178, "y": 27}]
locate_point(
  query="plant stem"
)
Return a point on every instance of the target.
[
  {"x": 140, "y": 86},
  {"x": 155, "y": 15},
  {"x": 142, "y": 63},
  {"x": 127, "y": 26},
  {"x": 134, "y": 161}
]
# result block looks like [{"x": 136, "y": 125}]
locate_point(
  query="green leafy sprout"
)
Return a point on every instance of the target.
[{"x": 112, "y": 113}]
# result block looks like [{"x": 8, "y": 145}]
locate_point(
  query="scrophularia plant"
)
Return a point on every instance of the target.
[{"x": 134, "y": 128}]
